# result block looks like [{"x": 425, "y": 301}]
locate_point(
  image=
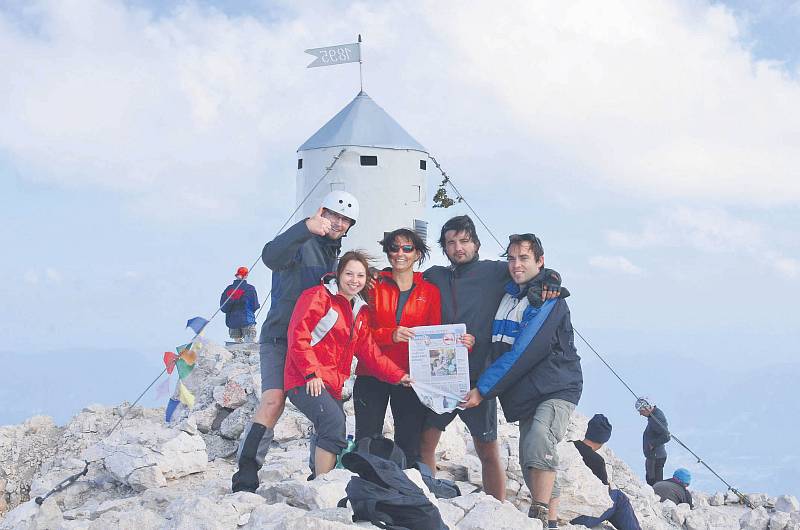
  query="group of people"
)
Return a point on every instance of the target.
[{"x": 327, "y": 308}]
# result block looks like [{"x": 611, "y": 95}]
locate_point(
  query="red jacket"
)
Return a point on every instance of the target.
[
  {"x": 423, "y": 308},
  {"x": 324, "y": 334}
]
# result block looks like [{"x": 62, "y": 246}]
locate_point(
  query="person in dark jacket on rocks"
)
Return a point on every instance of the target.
[
  {"x": 298, "y": 258},
  {"x": 470, "y": 290},
  {"x": 598, "y": 432},
  {"x": 537, "y": 372},
  {"x": 239, "y": 302},
  {"x": 655, "y": 437},
  {"x": 675, "y": 488},
  {"x": 621, "y": 514}
]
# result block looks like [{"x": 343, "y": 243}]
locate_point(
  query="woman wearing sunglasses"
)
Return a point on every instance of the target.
[{"x": 400, "y": 299}]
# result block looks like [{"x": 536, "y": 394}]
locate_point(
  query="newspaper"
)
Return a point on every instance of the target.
[{"x": 439, "y": 366}]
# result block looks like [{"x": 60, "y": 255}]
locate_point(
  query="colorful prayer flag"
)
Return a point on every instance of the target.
[
  {"x": 197, "y": 324},
  {"x": 172, "y": 404},
  {"x": 169, "y": 361},
  {"x": 186, "y": 397},
  {"x": 162, "y": 390},
  {"x": 189, "y": 357}
]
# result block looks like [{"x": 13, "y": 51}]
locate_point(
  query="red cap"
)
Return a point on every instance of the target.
[{"x": 242, "y": 271}]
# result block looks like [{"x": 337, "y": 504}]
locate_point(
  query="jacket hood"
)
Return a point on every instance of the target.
[{"x": 329, "y": 281}]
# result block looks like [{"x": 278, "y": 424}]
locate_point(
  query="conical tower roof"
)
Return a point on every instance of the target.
[{"x": 365, "y": 124}]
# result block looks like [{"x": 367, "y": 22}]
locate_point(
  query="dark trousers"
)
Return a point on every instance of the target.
[
  {"x": 654, "y": 470},
  {"x": 370, "y": 397}
]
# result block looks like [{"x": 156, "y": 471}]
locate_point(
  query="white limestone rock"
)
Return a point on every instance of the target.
[
  {"x": 718, "y": 499},
  {"x": 787, "y": 503},
  {"x": 323, "y": 492},
  {"x": 488, "y": 512},
  {"x": 231, "y": 395},
  {"x": 757, "y": 519},
  {"x": 146, "y": 454},
  {"x": 233, "y": 425},
  {"x": 582, "y": 493}
]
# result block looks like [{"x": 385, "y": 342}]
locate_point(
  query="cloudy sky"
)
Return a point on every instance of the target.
[{"x": 147, "y": 149}]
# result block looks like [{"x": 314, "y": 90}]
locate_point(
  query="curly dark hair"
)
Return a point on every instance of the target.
[
  {"x": 406, "y": 233},
  {"x": 460, "y": 223}
]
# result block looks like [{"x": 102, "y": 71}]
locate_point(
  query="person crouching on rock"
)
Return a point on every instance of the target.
[{"x": 329, "y": 325}]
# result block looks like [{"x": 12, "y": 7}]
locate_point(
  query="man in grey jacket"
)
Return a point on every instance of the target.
[
  {"x": 655, "y": 437},
  {"x": 298, "y": 258}
]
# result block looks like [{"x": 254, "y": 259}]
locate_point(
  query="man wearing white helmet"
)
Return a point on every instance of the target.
[
  {"x": 654, "y": 439},
  {"x": 298, "y": 258}
]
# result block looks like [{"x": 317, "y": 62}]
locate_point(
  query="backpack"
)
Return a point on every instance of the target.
[
  {"x": 443, "y": 489},
  {"x": 383, "y": 495},
  {"x": 383, "y": 447}
]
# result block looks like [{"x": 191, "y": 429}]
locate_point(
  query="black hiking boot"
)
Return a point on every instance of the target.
[{"x": 246, "y": 478}]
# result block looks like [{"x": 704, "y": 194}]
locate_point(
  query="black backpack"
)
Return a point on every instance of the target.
[
  {"x": 443, "y": 489},
  {"x": 383, "y": 447},
  {"x": 383, "y": 495}
]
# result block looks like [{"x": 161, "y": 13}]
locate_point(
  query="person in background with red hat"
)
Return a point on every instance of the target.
[{"x": 239, "y": 302}]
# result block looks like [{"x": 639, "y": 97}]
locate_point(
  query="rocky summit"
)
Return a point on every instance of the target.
[{"x": 153, "y": 475}]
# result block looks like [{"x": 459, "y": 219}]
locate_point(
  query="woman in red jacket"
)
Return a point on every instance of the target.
[
  {"x": 400, "y": 300},
  {"x": 328, "y": 326}
]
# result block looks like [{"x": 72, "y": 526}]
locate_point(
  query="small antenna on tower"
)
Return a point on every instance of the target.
[{"x": 360, "y": 71}]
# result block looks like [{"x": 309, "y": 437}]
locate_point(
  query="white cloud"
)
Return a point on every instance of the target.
[
  {"x": 196, "y": 106},
  {"x": 712, "y": 230},
  {"x": 615, "y": 264}
]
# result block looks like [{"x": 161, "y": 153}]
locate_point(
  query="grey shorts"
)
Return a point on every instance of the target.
[
  {"x": 540, "y": 434},
  {"x": 326, "y": 414},
  {"x": 273, "y": 359},
  {"x": 481, "y": 420},
  {"x": 247, "y": 333}
]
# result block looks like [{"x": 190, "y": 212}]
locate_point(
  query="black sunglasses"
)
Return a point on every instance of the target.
[{"x": 405, "y": 248}]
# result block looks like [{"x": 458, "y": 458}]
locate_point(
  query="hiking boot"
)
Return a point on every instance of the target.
[
  {"x": 246, "y": 478},
  {"x": 539, "y": 511}
]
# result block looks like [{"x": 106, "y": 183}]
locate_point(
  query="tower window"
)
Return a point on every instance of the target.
[
  {"x": 369, "y": 160},
  {"x": 421, "y": 228},
  {"x": 423, "y": 164},
  {"x": 299, "y": 163}
]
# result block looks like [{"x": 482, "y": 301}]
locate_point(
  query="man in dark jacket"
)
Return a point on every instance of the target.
[
  {"x": 470, "y": 291},
  {"x": 674, "y": 489},
  {"x": 655, "y": 437},
  {"x": 621, "y": 514},
  {"x": 598, "y": 432},
  {"x": 239, "y": 302},
  {"x": 537, "y": 374},
  {"x": 298, "y": 258}
]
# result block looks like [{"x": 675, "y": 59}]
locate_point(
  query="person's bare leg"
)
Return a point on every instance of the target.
[
  {"x": 427, "y": 447},
  {"x": 269, "y": 411},
  {"x": 324, "y": 461},
  {"x": 552, "y": 511},
  {"x": 541, "y": 483},
  {"x": 492, "y": 473}
]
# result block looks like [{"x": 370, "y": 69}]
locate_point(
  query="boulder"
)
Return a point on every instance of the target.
[
  {"x": 146, "y": 454},
  {"x": 787, "y": 503},
  {"x": 323, "y": 492},
  {"x": 757, "y": 519},
  {"x": 488, "y": 512}
]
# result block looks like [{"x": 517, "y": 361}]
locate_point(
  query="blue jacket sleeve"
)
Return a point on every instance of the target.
[
  {"x": 530, "y": 348},
  {"x": 279, "y": 253},
  {"x": 254, "y": 305}
]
